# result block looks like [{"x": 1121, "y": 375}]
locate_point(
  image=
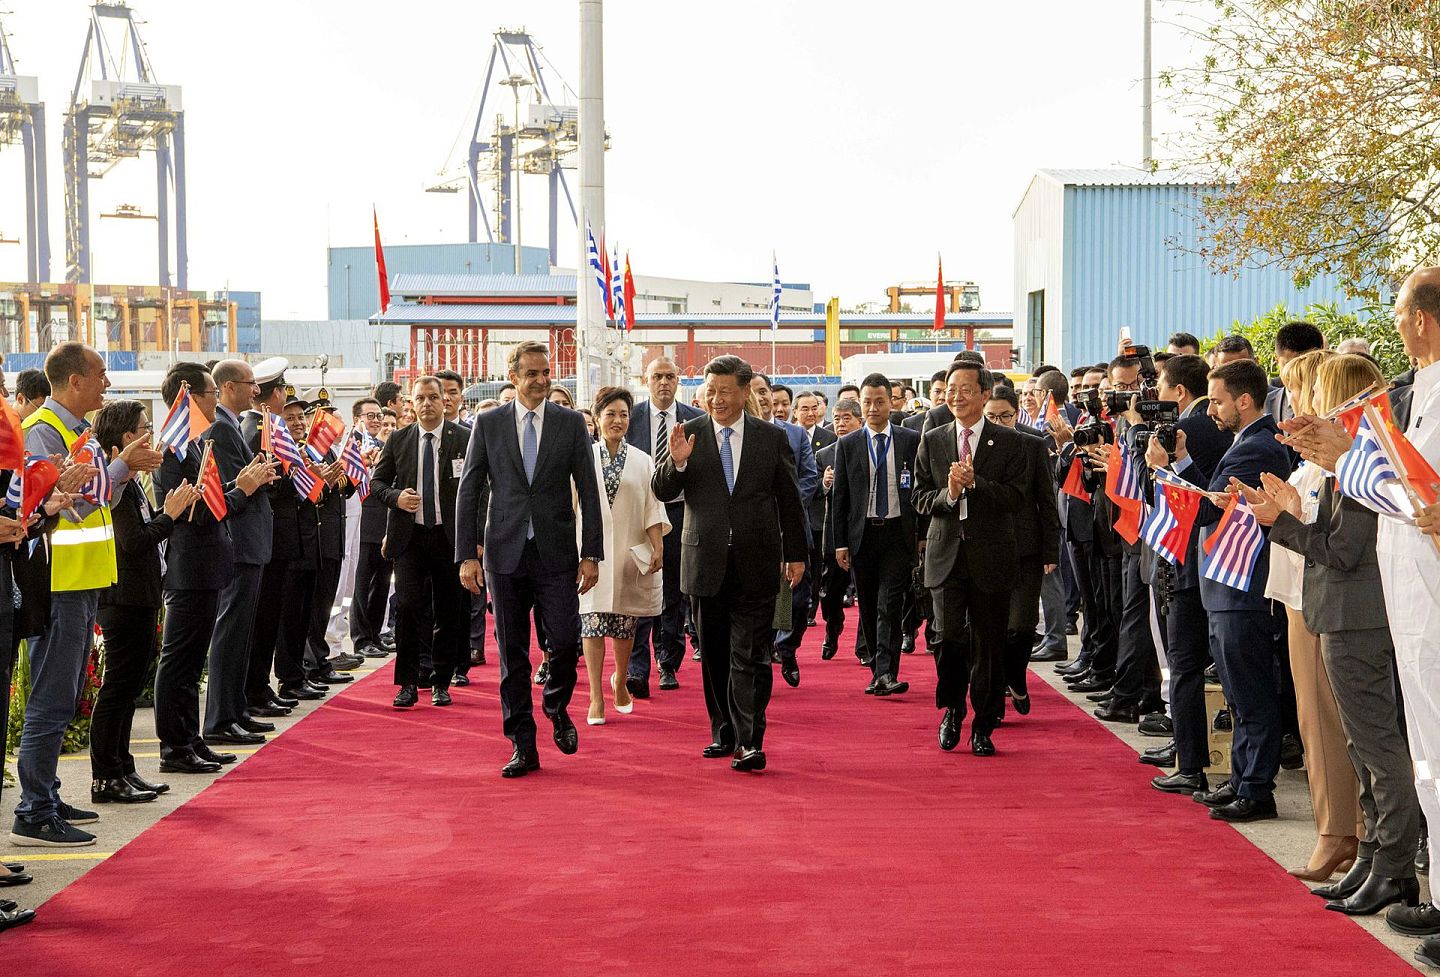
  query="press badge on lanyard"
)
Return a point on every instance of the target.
[{"x": 904, "y": 476}]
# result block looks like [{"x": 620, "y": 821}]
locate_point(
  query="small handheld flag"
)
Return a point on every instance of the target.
[
  {"x": 1074, "y": 483},
  {"x": 1233, "y": 549},
  {"x": 292, "y": 461},
  {"x": 355, "y": 468},
  {"x": 1122, "y": 487},
  {"x": 86, "y": 452},
  {"x": 325, "y": 430},
  {"x": 212, "y": 489},
  {"x": 183, "y": 424},
  {"x": 28, "y": 491},
  {"x": 1364, "y": 470}
]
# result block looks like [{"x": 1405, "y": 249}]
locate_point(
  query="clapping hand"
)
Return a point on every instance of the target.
[
  {"x": 1319, "y": 441},
  {"x": 74, "y": 476},
  {"x": 11, "y": 530},
  {"x": 180, "y": 498},
  {"x": 259, "y": 472},
  {"x": 1061, "y": 429},
  {"x": 680, "y": 445},
  {"x": 141, "y": 457}
]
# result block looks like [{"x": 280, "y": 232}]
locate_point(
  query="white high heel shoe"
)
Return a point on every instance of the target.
[{"x": 615, "y": 689}]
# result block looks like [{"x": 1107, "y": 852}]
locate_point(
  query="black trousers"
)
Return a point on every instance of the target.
[
  {"x": 735, "y": 643},
  {"x": 189, "y": 625},
  {"x": 1020, "y": 625},
  {"x": 130, "y": 647},
  {"x": 372, "y": 588},
  {"x": 663, "y": 636},
  {"x": 473, "y": 616},
  {"x": 1100, "y": 596},
  {"x": 230, "y": 649},
  {"x": 787, "y": 641},
  {"x": 552, "y": 595},
  {"x": 317, "y": 649},
  {"x": 295, "y": 614},
  {"x": 1137, "y": 668},
  {"x": 971, "y": 656},
  {"x": 882, "y": 577},
  {"x": 1187, "y": 643},
  {"x": 1244, "y": 645},
  {"x": 437, "y": 626}
]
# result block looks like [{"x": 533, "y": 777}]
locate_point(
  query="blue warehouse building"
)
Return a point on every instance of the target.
[
  {"x": 1099, "y": 249},
  {"x": 354, "y": 288}
]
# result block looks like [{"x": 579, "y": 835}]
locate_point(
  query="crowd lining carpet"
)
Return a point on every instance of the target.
[{"x": 365, "y": 841}]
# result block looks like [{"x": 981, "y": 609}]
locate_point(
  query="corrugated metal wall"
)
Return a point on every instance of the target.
[
  {"x": 1129, "y": 261},
  {"x": 349, "y": 343},
  {"x": 354, "y": 290},
  {"x": 1039, "y": 265}
]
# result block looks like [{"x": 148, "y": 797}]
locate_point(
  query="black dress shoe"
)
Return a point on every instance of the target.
[
  {"x": 1181, "y": 783},
  {"x": 949, "y": 731},
  {"x": 1020, "y": 702},
  {"x": 1428, "y": 952},
  {"x": 1218, "y": 797},
  {"x": 119, "y": 791},
  {"x": 542, "y": 673},
  {"x": 638, "y": 687},
  {"x": 1421, "y": 920},
  {"x": 1049, "y": 655},
  {"x": 1111, "y": 713},
  {"x": 1348, "y": 884},
  {"x": 1377, "y": 893},
  {"x": 809, "y": 622},
  {"x": 668, "y": 681},
  {"x": 980, "y": 744},
  {"x": 1223, "y": 721},
  {"x": 1094, "y": 683},
  {"x": 140, "y": 783},
  {"x": 345, "y": 663},
  {"x": 907, "y": 645},
  {"x": 885, "y": 685},
  {"x": 1156, "y": 724},
  {"x": 14, "y": 918},
  {"x": 717, "y": 750},
  {"x": 521, "y": 763},
  {"x": 460, "y": 680},
  {"x": 280, "y": 701},
  {"x": 748, "y": 759},
  {"x": 234, "y": 735},
  {"x": 267, "y": 712},
  {"x": 186, "y": 762},
  {"x": 1072, "y": 628},
  {"x": 1073, "y": 668},
  {"x": 440, "y": 697},
  {"x": 1243, "y": 810},
  {"x": 252, "y": 726},
  {"x": 790, "y": 671},
  {"x": 477, "y": 656},
  {"x": 406, "y": 697},
  {"x": 333, "y": 677},
  {"x": 203, "y": 751},
  {"x": 828, "y": 650},
  {"x": 1164, "y": 757},
  {"x": 1104, "y": 695},
  {"x": 567, "y": 738},
  {"x": 14, "y": 878},
  {"x": 306, "y": 691},
  {"x": 372, "y": 651},
  {"x": 1292, "y": 754},
  {"x": 870, "y": 689}
]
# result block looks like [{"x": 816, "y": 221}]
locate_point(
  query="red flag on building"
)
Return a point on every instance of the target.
[
  {"x": 12, "y": 438},
  {"x": 380, "y": 265},
  {"x": 629, "y": 295},
  {"x": 325, "y": 430},
  {"x": 212, "y": 490},
  {"x": 1074, "y": 484},
  {"x": 939, "y": 294}
]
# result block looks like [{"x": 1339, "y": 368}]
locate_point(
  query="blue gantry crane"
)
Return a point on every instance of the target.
[
  {"x": 117, "y": 111},
  {"x": 22, "y": 117}
]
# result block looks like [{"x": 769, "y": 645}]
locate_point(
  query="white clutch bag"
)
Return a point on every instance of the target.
[{"x": 642, "y": 554}]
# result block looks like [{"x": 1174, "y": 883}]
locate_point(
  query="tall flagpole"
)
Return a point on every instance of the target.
[{"x": 594, "y": 368}]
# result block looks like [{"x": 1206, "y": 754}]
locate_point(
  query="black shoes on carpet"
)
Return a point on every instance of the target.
[{"x": 522, "y": 761}]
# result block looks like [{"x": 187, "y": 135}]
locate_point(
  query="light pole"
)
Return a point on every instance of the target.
[
  {"x": 516, "y": 82},
  {"x": 594, "y": 367}
]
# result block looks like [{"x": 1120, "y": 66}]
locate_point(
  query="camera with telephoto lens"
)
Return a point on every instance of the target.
[
  {"x": 1118, "y": 401},
  {"x": 1096, "y": 430},
  {"x": 1160, "y": 416}
]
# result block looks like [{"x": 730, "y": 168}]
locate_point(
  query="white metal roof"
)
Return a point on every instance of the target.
[
  {"x": 540, "y": 315},
  {"x": 1126, "y": 177},
  {"x": 462, "y": 284}
]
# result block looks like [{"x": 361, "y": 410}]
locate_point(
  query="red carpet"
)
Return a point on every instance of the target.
[{"x": 368, "y": 842}]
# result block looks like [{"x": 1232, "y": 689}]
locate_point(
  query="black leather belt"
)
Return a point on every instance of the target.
[{"x": 876, "y": 521}]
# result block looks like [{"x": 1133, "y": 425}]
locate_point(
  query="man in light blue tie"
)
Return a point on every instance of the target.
[{"x": 530, "y": 453}]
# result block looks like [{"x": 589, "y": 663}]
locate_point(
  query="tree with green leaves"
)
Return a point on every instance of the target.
[
  {"x": 1318, "y": 122},
  {"x": 1374, "y": 324}
]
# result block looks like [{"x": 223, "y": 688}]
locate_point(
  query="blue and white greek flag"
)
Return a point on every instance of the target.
[
  {"x": 1363, "y": 472},
  {"x": 775, "y": 298},
  {"x": 596, "y": 265},
  {"x": 617, "y": 286}
]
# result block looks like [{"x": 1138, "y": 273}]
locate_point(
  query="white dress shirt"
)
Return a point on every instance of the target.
[
  {"x": 671, "y": 419},
  {"x": 737, "y": 437},
  {"x": 891, "y": 475},
  {"x": 977, "y": 430},
  {"x": 520, "y": 411},
  {"x": 420, "y": 474}
]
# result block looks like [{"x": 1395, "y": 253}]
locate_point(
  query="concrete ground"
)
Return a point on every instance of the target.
[{"x": 1288, "y": 840}]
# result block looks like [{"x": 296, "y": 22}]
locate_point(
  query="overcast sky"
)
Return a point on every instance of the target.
[{"x": 856, "y": 140}]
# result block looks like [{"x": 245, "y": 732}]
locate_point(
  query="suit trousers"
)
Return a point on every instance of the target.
[
  {"x": 473, "y": 620},
  {"x": 189, "y": 626},
  {"x": 1137, "y": 667},
  {"x": 1334, "y": 780},
  {"x": 372, "y": 587},
  {"x": 1361, "y": 666},
  {"x": 322, "y": 606},
  {"x": 129, "y": 649},
  {"x": 1108, "y": 593},
  {"x": 1052, "y": 606},
  {"x": 664, "y": 635},
  {"x": 295, "y": 615},
  {"x": 1244, "y": 645},
  {"x": 735, "y": 642},
  {"x": 1188, "y": 646},
  {"x": 439, "y": 625},
  {"x": 230, "y": 648},
  {"x": 787, "y": 641},
  {"x": 882, "y": 576},
  {"x": 971, "y": 656},
  {"x": 1020, "y": 624},
  {"x": 552, "y": 596},
  {"x": 1080, "y": 565}
]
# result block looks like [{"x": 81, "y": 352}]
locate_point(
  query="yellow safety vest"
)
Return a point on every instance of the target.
[{"x": 82, "y": 555}]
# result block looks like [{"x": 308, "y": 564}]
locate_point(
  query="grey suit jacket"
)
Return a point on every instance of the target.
[{"x": 1342, "y": 589}]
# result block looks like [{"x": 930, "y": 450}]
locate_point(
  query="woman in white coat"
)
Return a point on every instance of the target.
[{"x": 633, "y": 517}]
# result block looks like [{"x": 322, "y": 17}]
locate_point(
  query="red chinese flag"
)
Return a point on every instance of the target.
[
  {"x": 629, "y": 289},
  {"x": 609, "y": 280},
  {"x": 1127, "y": 524},
  {"x": 80, "y": 442},
  {"x": 325, "y": 430},
  {"x": 1350, "y": 419},
  {"x": 1074, "y": 485},
  {"x": 211, "y": 488},
  {"x": 1185, "y": 506},
  {"x": 1418, "y": 471},
  {"x": 12, "y": 438},
  {"x": 40, "y": 477},
  {"x": 939, "y": 294},
  {"x": 380, "y": 265}
]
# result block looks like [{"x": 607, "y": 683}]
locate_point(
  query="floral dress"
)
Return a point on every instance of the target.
[{"x": 602, "y": 625}]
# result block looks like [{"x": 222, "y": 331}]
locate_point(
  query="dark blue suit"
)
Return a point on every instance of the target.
[
  {"x": 786, "y": 642},
  {"x": 665, "y": 632},
  {"x": 1244, "y": 630},
  {"x": 523, "y": 573}
]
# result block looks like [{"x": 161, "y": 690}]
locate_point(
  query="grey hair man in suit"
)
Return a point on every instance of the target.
[
  {"x": 744, "y": 525},
  {"x": 533, "y": 454}
]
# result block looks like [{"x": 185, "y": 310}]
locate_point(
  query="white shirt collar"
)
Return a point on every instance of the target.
[{"x": 873, "y": 434}]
